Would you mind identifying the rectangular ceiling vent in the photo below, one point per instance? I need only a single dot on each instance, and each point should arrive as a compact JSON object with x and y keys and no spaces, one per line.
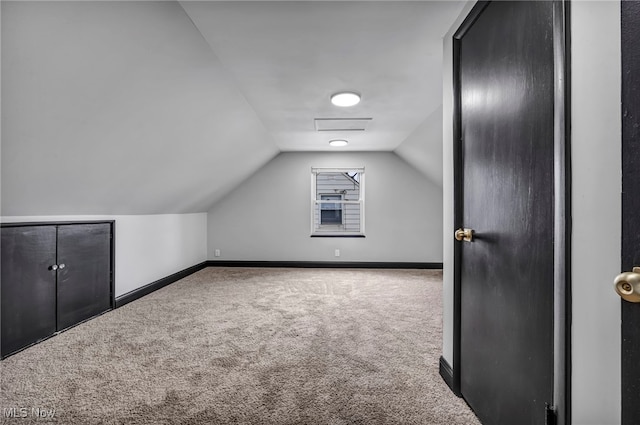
{"x":342,"y":124}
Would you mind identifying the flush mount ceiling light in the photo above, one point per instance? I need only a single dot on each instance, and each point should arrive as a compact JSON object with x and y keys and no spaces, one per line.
{"x":338,"y":143}
{"x":345,"y":98}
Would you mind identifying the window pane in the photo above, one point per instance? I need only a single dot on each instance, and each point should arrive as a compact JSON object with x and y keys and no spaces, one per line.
{"x":328,"y":220}
{"x":340,"y":184}
{"x":330,"y":216}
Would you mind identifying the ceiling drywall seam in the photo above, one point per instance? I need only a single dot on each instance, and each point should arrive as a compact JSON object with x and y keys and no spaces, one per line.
{"x":231,"y":77}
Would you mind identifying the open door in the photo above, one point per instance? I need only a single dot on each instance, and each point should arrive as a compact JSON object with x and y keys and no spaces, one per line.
{"x":509,"y":78}
{"x":630,"y":21}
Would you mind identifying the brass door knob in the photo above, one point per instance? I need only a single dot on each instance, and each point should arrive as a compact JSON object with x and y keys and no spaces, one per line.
{"x":464,"y":235}
{"x":627,"y":285}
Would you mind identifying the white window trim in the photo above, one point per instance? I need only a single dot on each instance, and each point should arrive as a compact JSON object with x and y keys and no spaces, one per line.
{"x":314,"y":201}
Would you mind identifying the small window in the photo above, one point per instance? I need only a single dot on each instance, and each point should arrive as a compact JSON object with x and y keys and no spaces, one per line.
{"x":337,"y":202}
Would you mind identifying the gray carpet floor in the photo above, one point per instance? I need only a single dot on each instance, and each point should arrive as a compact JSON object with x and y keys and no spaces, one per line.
{"x":248,"y":346}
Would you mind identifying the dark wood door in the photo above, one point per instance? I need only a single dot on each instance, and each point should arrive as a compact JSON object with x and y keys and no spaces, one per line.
{"x":630,"y":19}
{"x":84,"y":282}
{"x":28,"y":285}
{"x":506,"y":89}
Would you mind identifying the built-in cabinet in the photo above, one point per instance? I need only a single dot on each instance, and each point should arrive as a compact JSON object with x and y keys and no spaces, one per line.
{"x":54,"y":276}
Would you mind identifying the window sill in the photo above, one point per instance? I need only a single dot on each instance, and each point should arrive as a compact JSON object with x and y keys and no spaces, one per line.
{"x":334,"y":235}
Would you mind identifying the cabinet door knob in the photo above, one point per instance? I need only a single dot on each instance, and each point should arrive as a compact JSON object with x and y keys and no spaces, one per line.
{"x":54,"y":267}
{"x":62,"y":266}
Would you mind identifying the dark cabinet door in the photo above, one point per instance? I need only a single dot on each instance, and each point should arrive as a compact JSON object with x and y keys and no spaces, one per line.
{"x":84,"y":281}
{"x":28,"y":285}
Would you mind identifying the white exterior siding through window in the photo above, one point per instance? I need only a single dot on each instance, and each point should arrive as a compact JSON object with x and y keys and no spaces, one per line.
{"x":337,"y":201}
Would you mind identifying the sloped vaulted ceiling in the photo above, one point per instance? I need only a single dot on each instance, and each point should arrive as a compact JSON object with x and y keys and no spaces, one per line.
{"x":288,"y":57}
{"x":118,"y":108}
{"x":144,"y":107}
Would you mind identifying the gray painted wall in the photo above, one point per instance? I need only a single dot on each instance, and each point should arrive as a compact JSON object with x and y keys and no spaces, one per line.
{"x":595,"y":239}
{"x":423,"y":147}
{"x":268,"y":216}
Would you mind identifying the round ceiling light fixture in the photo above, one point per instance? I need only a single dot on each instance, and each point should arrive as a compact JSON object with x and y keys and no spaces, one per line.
{"x":338,"y":143}
{"x":345,"y":98}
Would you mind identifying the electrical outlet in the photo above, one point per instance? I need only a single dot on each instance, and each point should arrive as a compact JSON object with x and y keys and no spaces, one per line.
{"x":216,"y":253}
{"x":337,"y":253}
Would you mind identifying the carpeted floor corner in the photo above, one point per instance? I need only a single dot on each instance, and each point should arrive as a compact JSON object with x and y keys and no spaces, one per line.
{"x":248,"y":346}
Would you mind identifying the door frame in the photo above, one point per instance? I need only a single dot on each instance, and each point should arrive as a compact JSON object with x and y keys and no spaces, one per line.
{"x":629,"y":312}
{"x":562,"y":208}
